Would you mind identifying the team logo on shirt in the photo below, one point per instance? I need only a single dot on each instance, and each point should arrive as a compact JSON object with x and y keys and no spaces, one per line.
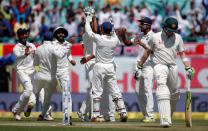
{"x":160,"y":42}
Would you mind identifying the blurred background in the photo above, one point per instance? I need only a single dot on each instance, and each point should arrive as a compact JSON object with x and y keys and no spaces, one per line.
{"x":40,"y":16}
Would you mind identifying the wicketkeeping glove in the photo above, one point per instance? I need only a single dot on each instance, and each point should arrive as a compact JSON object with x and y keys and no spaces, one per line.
{"x":190,"y":71}
{"x":137,"y":72}
{"x":89,"y":11}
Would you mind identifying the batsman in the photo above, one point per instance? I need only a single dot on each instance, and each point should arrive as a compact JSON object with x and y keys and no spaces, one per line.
{"x":165,"y":45}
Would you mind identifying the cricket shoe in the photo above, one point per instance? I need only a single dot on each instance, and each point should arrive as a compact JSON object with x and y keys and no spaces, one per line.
{"x":165,"y":123}
{"x":98,"y":119}
{"x":28,"y":109}
{"x":123,"y":117}
{"x":84,"y":117}
{"x":16,"y":115}
{"x":110,"y":119}
{"x":148,"y":120}
{"x":48,"y":118}
{"x":40,"y":118}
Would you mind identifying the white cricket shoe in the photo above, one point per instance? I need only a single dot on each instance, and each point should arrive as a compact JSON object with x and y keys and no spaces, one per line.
{"x":165,"y":123}
{"x":110,"y":119}
{"x":83,"y":116}
{"x":48,"y":118}
{"x":16,"y":116}
{"x":148,"y":120}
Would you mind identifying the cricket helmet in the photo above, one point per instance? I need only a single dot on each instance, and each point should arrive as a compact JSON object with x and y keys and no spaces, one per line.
{"x":60,"y":29}
{"x":170,"y":24}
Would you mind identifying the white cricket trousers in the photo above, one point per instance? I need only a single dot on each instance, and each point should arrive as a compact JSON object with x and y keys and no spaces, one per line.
{"x":107,"y":105}
{"x":144,"y":87}
{"x":105,"y":74}
{"x":64,"y":79}
{"x":167,"y":91}
{"x":25,"y":77}
{"x":48,"y":84}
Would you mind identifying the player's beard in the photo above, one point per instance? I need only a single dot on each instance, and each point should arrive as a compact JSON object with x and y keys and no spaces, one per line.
{"x":61,"y":39}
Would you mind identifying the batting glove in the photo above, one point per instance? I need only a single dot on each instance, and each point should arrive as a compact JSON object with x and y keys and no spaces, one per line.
{"x":190,"y":71}
{"x":138,"y":72}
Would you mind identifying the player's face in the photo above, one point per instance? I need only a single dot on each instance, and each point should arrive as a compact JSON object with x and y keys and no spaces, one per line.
{"x":168,"y":33}
{"x":60,"y":35}
{"x":143,"y":27}
{"x":23,"y":37}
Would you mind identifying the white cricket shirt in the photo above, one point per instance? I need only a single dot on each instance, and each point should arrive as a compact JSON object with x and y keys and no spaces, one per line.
{"x":165,"y":48}
{"x":23,"y":62}
{"x":89,"y":46}
{"x":105,"y":45}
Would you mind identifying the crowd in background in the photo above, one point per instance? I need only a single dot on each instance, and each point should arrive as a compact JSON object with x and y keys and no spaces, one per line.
{"x":39,"y":17}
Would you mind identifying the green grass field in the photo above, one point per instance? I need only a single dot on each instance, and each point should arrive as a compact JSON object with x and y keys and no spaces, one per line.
{"x":30,"y":124}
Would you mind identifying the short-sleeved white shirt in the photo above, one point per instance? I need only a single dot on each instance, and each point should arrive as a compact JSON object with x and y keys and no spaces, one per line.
{"x":105,"y":45}
{"x":144,"y":39}
{"x":165,"y":48}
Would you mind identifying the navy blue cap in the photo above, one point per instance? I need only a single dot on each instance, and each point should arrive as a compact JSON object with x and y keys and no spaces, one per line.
{"x":48,"y":36}
{"x":107,"y":27}
{"x":146,"y":20}
{"x":21,"y":31}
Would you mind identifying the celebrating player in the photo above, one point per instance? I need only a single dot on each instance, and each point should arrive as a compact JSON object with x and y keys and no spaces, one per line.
{"x":63,"y":66}
{"x":144,"y":83}
{"x":89,"y":61}
{"x":45,"y":79}
{"x":104,"y":69}
{"x":165,"y":45}
{"x":23,"y":52}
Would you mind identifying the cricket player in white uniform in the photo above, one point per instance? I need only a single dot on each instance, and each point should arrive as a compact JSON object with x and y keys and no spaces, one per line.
{"x":89,"y":61}
{"x":24,"y":60}
{"x":45,"y":81}
{"x":63,"y":73}
{"x":165,"y":45}
{"x":144,"y":83}
{"x":104,"y":69}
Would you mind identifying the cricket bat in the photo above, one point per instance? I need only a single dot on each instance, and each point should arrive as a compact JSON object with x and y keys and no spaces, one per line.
{"x":188,"y":104}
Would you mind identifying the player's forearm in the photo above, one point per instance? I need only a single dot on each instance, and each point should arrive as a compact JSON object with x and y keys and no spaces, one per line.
{"x":144,"y":57}
{"x":94,"y":24}
{"x":90,"y":57}
{"x":19,"y":54}
{"x":88,"y":29}
{"x":184,"y":59}
{"x":142,"y":44}
{"x":125,"y":40}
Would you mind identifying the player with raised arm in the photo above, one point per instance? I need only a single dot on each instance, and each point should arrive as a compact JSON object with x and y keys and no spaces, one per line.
{"x":24,"y":60}
{"x":104,"y":69}
{"x":89,"y":61}
{"x":165,"y":45}
{"x":144,"y":83}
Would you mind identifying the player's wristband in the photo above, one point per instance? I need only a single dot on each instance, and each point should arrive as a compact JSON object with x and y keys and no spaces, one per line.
{"x":187,"y":67}
{"x":139,"y":67}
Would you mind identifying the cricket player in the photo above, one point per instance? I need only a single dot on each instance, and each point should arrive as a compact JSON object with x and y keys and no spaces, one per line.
{"x":45,"y":81}
{"x":24,"y":60}
{"x":144,"y":83}
{"x":63,"y":73}
{"x":165,"y":45}
{"x":89,"y":61}
{"x":104,"y":69}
